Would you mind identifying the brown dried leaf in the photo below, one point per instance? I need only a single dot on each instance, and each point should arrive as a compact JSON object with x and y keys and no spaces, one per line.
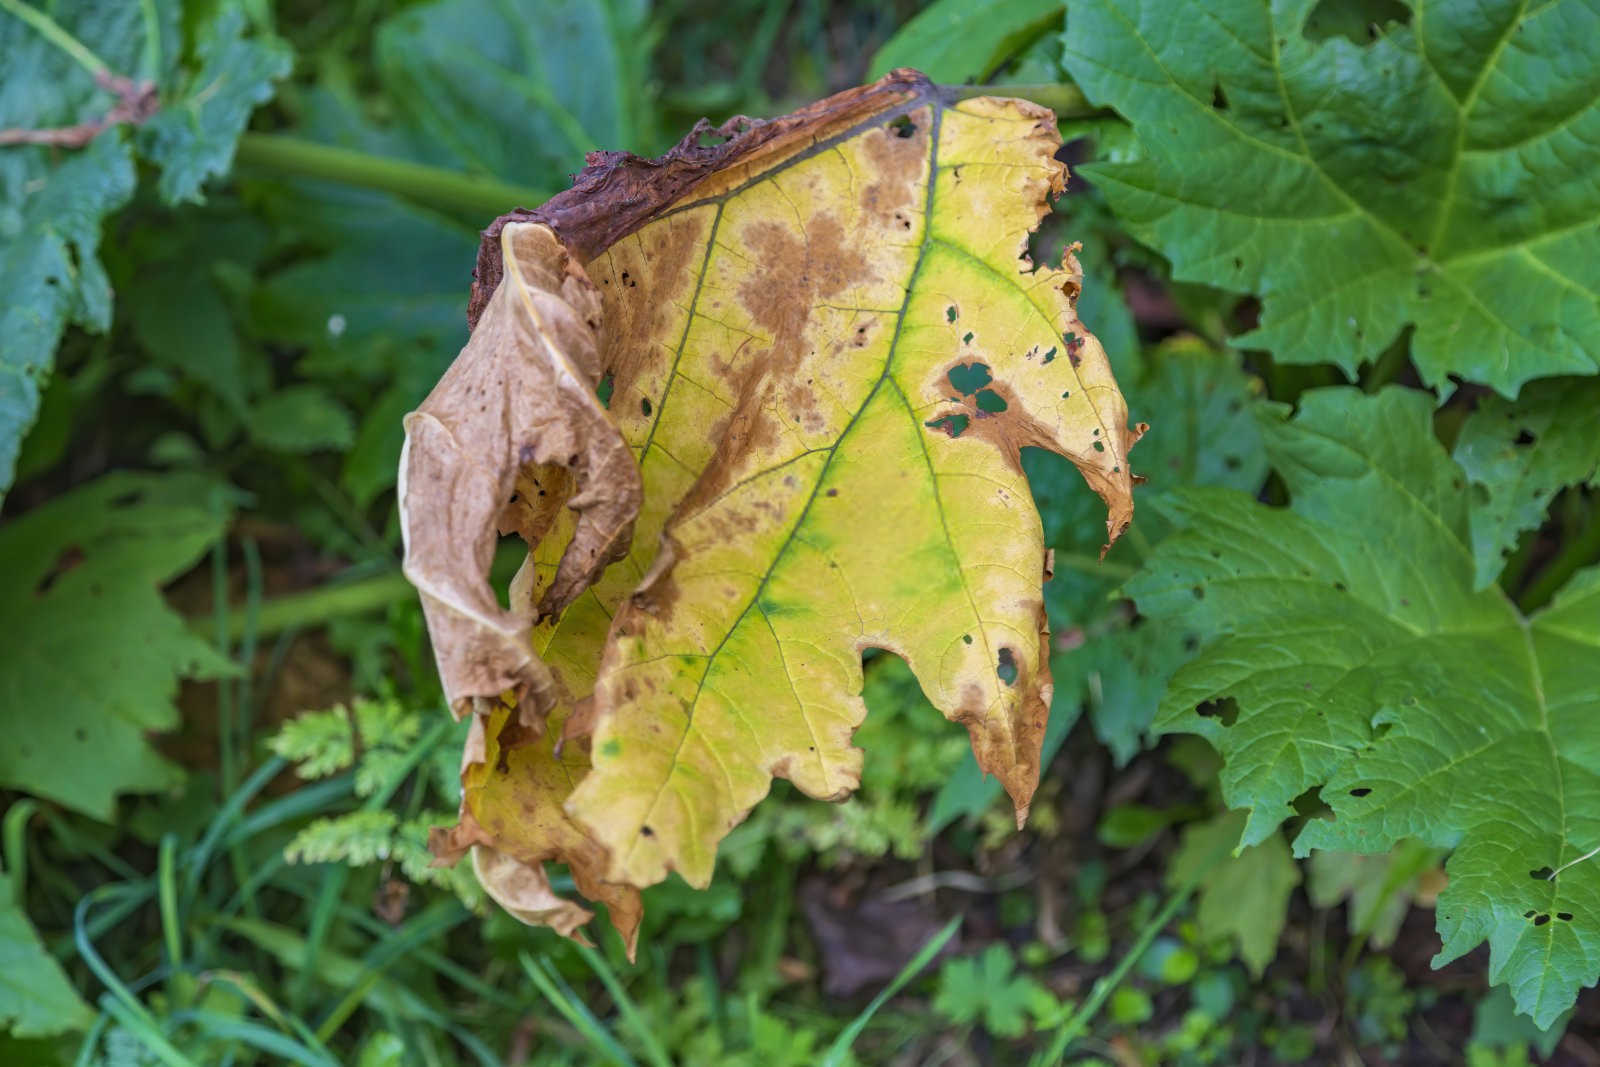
{"x":508,"y":434}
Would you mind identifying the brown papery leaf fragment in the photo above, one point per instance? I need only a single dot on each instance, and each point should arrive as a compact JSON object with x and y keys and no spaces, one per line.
{"x":509,"y":432}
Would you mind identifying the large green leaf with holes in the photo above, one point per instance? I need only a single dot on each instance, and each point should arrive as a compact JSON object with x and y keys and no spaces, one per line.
{"x":54,"y":197}
{"x":1520,"y":454}
{"x":1440,"y":171}
{"x":1351,"y":653}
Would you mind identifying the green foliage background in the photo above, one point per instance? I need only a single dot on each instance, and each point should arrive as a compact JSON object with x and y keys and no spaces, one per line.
{"x":1342,"y":256}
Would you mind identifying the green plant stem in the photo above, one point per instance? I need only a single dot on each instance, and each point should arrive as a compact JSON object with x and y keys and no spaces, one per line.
{"x":313,"y":607}
{"x":1080,"y":1020}
{"x":1582,"y":549}
{"x":435,"y":187}
{"x":1065,"y":99}
{"x":52,"y":31}
{"x":1087,"y":564}
{"x":840,"y":1048}
{"x":167,"y":898}
{"x":316,"y":606}
{"x":15,"y":836}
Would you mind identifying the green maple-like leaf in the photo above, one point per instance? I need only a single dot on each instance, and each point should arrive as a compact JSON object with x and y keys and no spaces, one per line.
{"x":53,"y":199}
{"x":1353,"y":654}
{"x":987,"y":988}
{"x":36,"y":999}
{"x":94,"y":654}
{"x":1522,"y":453}
{"x":1442,"y":175}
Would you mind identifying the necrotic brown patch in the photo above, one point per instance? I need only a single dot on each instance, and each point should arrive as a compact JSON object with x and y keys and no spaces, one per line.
{"x":896,"y":153}
{"x":661,"y":274}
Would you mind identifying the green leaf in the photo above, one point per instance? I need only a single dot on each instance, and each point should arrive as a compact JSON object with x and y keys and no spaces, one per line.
{"x":1353,"y":654}
{"x":987,"y":988}
{"x":301,"y":418}
{"x":1381,"y":889}
{"x":193,"y":138}
{"x":49,"y":269}
{"x":36,"y":999}
{"x":1203,"y":432}
{"x":953,"y":41}
{"x":1522,"y":453}
{"x":54,"y":199}
{"x":355,"y":838}
{"x":516,"y":91}
{"x":323,"y":742}
{"x":1496,"y":1024}
{"x":1440,"y":176}
{"x":1244,"y":897}
{"x":93,"y":653}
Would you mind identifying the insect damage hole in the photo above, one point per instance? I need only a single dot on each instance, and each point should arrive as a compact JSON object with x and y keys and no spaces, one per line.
{"x":1006,"y":667}
{"x":903,"y":127}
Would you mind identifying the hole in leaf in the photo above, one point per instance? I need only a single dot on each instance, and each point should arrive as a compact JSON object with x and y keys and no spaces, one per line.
{"x":991,"y":402}
{"x":903,"y":126}
{"x":646,"y":831}
{"x":644,"y":405}
{"x":954,"y":425}
{"x":1006,"y":669}
{"x":967,"y":638}
{"x":1541,"y":920}
{"x":1361,"y":22}
{"x":1524,"y":438}
{"x":1361,"y":792}
{"x":1219,"y":99}
{"x":1099,"y":446}
{"x":1051,"y":355}
{"x":967,"y":340}
{"x":1543,"y":874}
{"x":603,"y":390}
{"x":1225,"y":711}
{"x":968,"y":378}
{"x":950,"y":313}
{"x":69,"y":558}
{"x":1564,"y":916}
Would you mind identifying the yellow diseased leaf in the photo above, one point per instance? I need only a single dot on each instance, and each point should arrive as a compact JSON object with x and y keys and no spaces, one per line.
{"x":840,"y":409}
{"x":513,"y":823}
{"x":826,"y":348}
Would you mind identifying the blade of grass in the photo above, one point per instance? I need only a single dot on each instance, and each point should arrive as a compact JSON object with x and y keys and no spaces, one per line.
{"x":434,"y":920}
{"x":144,"y":1030}
{"x":197,"y":861}
{"x":167,"y":898}
{"x":631,"y":1016}
{"x":574,"y":1012}
{"x":257,"y":1036}
{"x":847,"y":1037}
